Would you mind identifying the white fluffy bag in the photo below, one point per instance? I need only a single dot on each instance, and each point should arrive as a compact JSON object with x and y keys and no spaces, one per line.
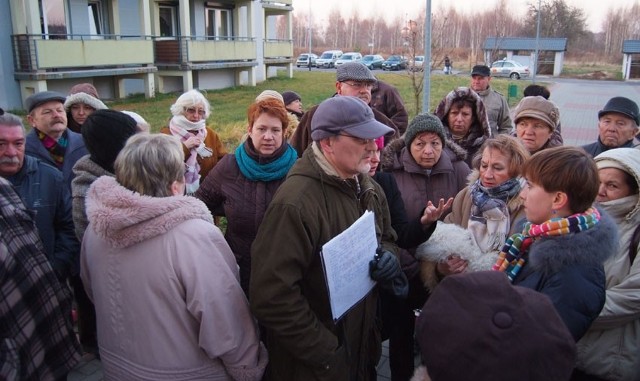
{"x":451,"y":239}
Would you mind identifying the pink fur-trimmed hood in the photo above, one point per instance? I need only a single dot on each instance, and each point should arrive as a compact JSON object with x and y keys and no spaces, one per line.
{"x":124,"y":218}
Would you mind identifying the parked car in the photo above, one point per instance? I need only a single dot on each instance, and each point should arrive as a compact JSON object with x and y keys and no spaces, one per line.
{"x":329,"y":58}
{"x":417,"y":63}
{"x":395,"y":62}
{"x":348,"y":57}
{"x":373,"y":61}
{"x":306,"y":59}
{"x":511,"y":69}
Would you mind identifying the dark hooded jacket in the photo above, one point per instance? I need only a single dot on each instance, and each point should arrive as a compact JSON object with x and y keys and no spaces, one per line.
{"x":288,"y":291}
{"x":479,"y":131}
{"x":569,"y":270}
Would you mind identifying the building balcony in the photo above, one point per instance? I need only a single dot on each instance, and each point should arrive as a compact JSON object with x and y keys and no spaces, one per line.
{"x":278,"y":51}
{"x":205,"y":52}
{"x":60,"y":56}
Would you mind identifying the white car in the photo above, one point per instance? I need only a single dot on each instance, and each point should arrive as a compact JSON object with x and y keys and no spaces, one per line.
{"x":348,"y":57}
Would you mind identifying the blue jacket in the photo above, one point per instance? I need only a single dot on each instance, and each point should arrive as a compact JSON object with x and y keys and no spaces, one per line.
{"x":43,"y":191}
{"x":75,"y":150}
{"x":569,"y":270}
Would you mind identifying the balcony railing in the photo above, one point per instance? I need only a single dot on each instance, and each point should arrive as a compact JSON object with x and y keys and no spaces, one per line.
{"x":199,"y":49}
{"x":278,"y":48}
{"x":46,"y":52}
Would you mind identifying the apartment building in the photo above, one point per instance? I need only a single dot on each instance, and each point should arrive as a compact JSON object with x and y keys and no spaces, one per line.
{"x":140,"y":46}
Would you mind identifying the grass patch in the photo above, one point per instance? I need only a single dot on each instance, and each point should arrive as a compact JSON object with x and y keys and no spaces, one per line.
{"x":229,"y":106}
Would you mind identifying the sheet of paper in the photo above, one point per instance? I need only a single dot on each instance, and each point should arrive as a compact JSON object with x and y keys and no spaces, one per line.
{"x":346,"y":264}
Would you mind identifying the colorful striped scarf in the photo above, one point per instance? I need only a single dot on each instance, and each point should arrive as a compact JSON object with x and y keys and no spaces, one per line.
{"x":513,"y":255}
{"x":56,"y":148}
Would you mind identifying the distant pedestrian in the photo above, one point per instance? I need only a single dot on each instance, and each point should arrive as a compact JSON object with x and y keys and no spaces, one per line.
{"x":447,"y":65}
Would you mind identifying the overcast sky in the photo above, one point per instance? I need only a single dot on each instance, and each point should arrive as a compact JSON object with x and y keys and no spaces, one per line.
{"x":595,"y":10}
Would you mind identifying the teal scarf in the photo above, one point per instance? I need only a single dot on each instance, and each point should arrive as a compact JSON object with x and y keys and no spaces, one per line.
{"x":274,"y":170}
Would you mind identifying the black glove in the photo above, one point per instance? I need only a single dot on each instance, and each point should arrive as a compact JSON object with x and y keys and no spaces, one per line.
{"x":384,"y":267}
{"x":386,"y":270}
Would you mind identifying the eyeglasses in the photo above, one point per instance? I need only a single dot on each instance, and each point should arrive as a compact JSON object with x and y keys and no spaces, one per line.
{"x":193,"y":111}
{"x":357,"y":139}
{"x":360,"y":85}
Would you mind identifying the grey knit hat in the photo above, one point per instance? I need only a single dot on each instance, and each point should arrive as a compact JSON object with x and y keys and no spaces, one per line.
{"x":424,"y":123}
{"x":354,"y":71}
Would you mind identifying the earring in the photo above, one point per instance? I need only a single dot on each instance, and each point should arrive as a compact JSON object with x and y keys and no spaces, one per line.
{"x":553,"y":211}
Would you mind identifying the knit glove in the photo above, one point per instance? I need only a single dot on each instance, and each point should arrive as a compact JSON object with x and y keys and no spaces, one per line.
{"x":385,"y":269}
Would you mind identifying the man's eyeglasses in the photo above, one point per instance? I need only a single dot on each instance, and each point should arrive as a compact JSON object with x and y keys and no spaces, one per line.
{"x":360,"y":85}
{"x":357,"y":139}
{"x":193,"y":111}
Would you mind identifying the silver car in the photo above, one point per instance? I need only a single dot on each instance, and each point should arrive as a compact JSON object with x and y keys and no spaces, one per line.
{"x":306,"y":59}
{"x":511,"y":69}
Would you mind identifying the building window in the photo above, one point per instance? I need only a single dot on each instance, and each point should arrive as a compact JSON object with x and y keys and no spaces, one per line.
{"x":52,"y":18}
{"x":219,"y":23}
{"x":168,"y":21}
{"x":95,"y":19}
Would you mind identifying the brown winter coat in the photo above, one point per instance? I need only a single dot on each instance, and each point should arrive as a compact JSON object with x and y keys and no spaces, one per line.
{"x":446,"y":179}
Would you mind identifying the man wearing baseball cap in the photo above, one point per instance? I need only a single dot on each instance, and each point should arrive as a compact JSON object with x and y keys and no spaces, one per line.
{"x":352,"y":79}
{"x":494,"y":102}
{"x":325,"y":192}
{"x":617,"y":126}
{"x":50,"y":140}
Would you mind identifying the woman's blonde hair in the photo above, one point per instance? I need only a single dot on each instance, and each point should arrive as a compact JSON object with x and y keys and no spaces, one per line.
{"x":509,"y":146}
{"x":191,"y":98}
{"x":149,"y":164}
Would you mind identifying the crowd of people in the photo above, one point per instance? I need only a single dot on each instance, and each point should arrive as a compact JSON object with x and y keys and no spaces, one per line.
{"x":500,"y":252}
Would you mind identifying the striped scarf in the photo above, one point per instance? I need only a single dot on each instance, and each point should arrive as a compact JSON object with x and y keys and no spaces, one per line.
{"x":56,"y":148}
{"x":513,"y":255}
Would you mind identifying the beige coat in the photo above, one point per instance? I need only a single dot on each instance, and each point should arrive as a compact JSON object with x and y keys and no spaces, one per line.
{"x":611,"y":347}
{"x":460,"y":213}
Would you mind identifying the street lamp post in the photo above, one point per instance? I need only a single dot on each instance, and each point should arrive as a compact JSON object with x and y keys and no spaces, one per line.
{"x":426,"y":83}
{"x":535,"y":61}
{"x":310,"y":38}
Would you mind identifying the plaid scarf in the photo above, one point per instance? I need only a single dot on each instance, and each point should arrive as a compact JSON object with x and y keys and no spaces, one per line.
{"x":513,"y":255}
{"x":57,"y":148}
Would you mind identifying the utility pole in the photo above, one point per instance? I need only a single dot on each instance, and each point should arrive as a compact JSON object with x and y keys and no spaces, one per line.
{"x":535,"y":61}
{"x":426,"y":83}
{"x":310,"y":36}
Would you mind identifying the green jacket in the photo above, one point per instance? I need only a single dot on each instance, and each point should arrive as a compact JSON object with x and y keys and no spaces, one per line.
{"x":288,"y":293}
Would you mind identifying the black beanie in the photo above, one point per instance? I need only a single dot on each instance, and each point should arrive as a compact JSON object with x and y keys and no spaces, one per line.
{"x":290,"y":96}
{"x":105,"y":133}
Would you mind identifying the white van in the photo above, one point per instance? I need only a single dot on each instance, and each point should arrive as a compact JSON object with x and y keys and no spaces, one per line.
{"x":329,"y":58}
